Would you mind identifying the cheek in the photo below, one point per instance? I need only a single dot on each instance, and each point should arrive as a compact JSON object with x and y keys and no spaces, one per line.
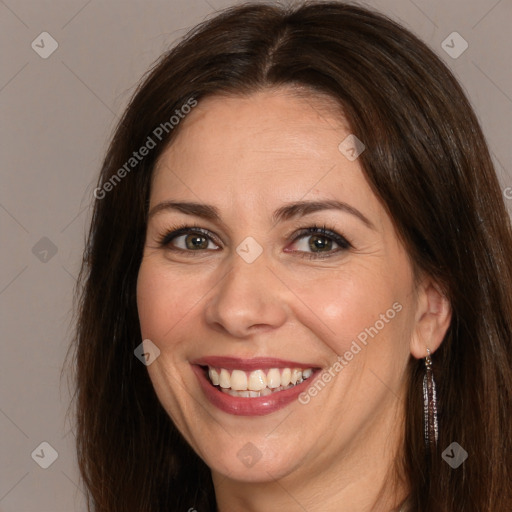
{"x":345,"y":303}
{"x":161,"y":302}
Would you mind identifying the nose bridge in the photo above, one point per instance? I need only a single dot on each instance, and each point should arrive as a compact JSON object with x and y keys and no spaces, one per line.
{"x":249,"y":295}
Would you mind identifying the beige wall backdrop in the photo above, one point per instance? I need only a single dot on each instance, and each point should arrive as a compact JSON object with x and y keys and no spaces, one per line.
{"x":68,"y":69}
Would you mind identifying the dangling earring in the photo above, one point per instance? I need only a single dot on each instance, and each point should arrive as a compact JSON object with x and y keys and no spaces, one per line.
{"x":430,"y":404}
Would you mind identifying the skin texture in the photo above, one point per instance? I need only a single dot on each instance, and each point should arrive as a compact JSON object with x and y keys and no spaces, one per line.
{"x":248,"y":157}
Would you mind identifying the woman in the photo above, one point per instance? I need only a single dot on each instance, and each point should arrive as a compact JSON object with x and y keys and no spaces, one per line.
{"x":299,"y":231}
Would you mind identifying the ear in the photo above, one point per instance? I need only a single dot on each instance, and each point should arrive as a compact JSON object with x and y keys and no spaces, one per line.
{"x":433,"y":317}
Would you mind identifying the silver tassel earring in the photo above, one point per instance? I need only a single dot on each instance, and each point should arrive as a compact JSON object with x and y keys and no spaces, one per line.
{"x":430,"y":404}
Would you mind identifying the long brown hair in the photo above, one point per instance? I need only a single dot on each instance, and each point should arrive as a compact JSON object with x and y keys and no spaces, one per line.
{"x":426,"y":160}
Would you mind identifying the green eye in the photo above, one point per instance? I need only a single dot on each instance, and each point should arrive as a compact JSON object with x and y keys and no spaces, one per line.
{"x":194,"y":241}
{"x":319,"y":243}
{"x":193,"y":238}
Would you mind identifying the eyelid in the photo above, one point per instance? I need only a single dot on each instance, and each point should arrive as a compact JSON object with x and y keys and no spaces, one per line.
{"x":186,"y":229}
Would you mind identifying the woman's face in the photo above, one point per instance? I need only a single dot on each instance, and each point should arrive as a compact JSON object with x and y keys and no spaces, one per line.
{"x":254,"y":298}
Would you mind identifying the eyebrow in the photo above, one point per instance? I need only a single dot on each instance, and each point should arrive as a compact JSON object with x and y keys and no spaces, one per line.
{"x":289,"y":211}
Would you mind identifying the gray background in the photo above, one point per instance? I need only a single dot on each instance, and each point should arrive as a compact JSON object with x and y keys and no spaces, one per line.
{"x":57,"y":115}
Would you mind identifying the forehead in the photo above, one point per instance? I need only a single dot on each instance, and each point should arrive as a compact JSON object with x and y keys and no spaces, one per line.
{"x":223,"y":121}
{"x":268,"y":145}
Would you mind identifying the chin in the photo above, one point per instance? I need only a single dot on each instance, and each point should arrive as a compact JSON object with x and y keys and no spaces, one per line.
{"x":250,"y":464}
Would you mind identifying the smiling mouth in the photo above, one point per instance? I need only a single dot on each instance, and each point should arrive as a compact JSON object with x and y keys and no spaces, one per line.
{"x":256,"y":383}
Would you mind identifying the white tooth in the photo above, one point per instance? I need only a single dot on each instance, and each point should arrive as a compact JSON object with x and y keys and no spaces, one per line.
{"x":273,"y":378}
{"x":307,"y":373}
{"x":286,"y":377}
{"x":238,"y":380}
{"x":265,"y":392}
{"x":257,"y":380}
{"x":296,"y":375}
{"x":244,"y":394}
{"x":254,"y":394}
{"x":224,"y":379}
{"x":214,"y":376}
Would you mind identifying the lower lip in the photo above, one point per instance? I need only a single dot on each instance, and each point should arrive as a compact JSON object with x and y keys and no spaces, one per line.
{"x":257,"y":406}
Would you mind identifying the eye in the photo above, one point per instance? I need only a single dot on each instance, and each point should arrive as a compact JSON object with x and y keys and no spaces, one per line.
{"x":316,"y":242}
{"x":311,"y":242}
{"x":187,"y":238}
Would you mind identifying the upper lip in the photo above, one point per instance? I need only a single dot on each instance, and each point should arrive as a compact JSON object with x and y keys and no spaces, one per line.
{"x":236,"y":363}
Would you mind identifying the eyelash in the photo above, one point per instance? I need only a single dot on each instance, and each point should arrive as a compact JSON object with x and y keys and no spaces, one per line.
{"x":186,"y":229}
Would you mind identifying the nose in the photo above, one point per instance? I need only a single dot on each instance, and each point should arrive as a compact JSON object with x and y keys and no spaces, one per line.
{"x":249,"y":299}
